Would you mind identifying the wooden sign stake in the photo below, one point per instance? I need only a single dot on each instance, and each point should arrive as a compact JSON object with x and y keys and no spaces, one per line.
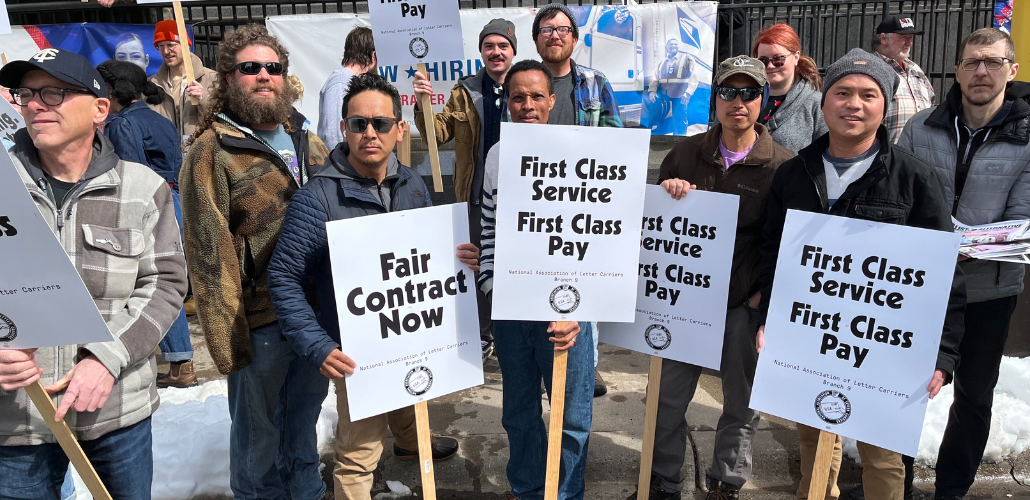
{"x":654,"y":384}
{"x":187,"y":60}
{"x":554,"y":430}
{"x":821,"y":466}
{"x":425,"y":451}
{"x":41,"y":400}
{"x":3,"y":58}
{"x":404,"y":147}
{"x":434,"y":152}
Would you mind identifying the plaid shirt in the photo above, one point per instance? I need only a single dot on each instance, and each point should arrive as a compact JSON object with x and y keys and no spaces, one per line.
{"x":595,"y":99}
{"x":915,"y":93}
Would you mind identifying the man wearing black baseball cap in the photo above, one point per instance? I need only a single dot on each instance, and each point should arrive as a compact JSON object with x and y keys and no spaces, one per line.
{"x":116,"y":221}
{"x":893,"y":43}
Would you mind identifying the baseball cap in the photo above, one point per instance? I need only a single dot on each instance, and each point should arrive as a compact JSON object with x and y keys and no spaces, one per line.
{"x":898,"y":24}
{"x":741,"y":65}
{"x":66,"y":66}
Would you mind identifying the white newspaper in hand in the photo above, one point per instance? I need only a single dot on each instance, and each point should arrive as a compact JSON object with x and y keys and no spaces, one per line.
{"x":997,"y":241}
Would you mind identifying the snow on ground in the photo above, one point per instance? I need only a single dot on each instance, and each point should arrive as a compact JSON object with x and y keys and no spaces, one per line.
{"x":397,"y":490}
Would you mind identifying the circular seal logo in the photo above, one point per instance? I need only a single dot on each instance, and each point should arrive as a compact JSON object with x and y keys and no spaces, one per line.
{"x":658,"y":337}
{"x":8,"y":330}
{"x":418,"y":381}
{"x":564,"y":299}
{"x":418,"y":47}
{"x":833,"y":407}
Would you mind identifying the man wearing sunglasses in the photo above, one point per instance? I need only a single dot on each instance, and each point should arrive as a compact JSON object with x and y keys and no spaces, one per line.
{"x":737,"y":156}
{"x":472,"y":117}
{"x":361,"y":177}
{"x":979,"y":142}
{"x":176,"y":92}
{"x":116,"y":221}
{"x":251,"y":152}
{"x":893,"y":43}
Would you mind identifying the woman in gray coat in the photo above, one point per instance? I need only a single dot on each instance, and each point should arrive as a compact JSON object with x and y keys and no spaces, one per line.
{"x":792,"y":113}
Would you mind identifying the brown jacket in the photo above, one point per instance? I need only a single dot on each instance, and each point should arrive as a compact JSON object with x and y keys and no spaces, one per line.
{"x":697,"y":160}
{"x":460,"y":120}
{"x":187,"y":117}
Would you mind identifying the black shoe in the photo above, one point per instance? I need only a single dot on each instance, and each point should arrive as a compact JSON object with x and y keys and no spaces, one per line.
{"x":718,"y":490}
{"x":656,"y":492}
{"x":856,"y":493}
{"x":443,"y":448}
{"x":600,"y":388}
{"x":488,"y":348}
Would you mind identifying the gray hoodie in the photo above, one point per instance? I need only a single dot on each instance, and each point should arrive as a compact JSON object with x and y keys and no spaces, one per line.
{"x":799,"y":121}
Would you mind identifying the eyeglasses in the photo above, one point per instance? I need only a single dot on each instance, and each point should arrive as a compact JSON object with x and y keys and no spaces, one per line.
{"x":498,"y":91}
{"x":51,"y":96}
{"x":747,"y":94}
{"x":776,"y":61}
{"x":253,"y":68}
{"x":359,"y":124}
{"x":991,"y":63}
{"x":166,"y":46}
{"x":563,"y":31}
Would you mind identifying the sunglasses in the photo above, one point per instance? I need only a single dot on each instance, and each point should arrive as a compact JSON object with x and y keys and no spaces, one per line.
{"x":359,"y":124}
{"x":776,"y":61}
{"x":254,"y":67}
{"x":747,"y":94}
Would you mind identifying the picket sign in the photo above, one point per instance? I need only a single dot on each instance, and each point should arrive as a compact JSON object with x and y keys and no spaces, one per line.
{"x":654,"y":384}
{"x":821,"y":465}
{"x":554,"y":428}
{"x":187,"y":62}
{"x":434,"y":150}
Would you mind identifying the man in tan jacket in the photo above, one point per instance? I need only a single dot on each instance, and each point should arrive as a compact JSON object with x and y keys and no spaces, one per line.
{"x":171,"y":79}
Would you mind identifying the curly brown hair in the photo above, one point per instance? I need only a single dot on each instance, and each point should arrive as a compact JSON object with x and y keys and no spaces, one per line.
{"x":233,"y":42}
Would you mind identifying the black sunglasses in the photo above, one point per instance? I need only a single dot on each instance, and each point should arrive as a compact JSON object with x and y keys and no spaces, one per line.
{"x":359,"y":124}
{"x":776,"y":61}
{"x":747,"y":94}
{"x":51,"y":96}
{"x":254,"y":67}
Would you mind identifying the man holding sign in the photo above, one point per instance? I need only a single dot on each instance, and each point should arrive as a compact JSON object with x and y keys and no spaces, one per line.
{"x":176,"y":92}
{"x":855,"y":171}
{"x":362,"y":177}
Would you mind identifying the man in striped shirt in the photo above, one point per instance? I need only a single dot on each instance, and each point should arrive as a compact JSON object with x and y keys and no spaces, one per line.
{"x":893,"y":43}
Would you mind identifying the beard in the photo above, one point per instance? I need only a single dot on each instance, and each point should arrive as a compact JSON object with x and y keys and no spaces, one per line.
{"x":566,"y":51}
{"x":253,"y":110}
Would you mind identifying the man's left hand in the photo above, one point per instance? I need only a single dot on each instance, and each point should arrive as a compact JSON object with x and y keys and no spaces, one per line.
{"x":468,"y":254}
{"x":88,"y":386}
{"x":936,"y":383}
{"x":195,"y":89}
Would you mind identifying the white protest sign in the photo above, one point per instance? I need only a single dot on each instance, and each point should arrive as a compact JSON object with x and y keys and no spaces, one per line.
{"x":854,"y":324}
{"x":416,"y":31}
{"x":5,"y":21}
{"x":568,"y":233}
{"x":36,"y":276}
{"x":10,"y":120}
{"x":686,"y":252}
{"x":407,"y":307}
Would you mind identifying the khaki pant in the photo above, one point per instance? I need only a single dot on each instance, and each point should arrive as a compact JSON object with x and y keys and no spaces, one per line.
{"x":883,"y":474}
{"x":359,"y":445}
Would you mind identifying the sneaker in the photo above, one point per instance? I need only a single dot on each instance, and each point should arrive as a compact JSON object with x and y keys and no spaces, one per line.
{"x":179,"y":375}
{"x":443,"y":448}
{"x":655,"y":492}
{"x":718,"y":490}
{"x":488,"y":348}
{"x":600,"y":388}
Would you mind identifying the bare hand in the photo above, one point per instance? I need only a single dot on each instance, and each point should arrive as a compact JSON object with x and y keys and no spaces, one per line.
{"x":106,"y":3}
{"x":677,"y":188}
{"x":88,"y":385}
{"x":422,"y":86}
{"x":18,"y":368}
{"x":195,"y":89}
{"x":565,"y":334}
{"x":468,"y":254}
{"x":760,"y":341}
{"x":337,"y":365}
{"x":962,"y":258}
{"x":936,"y":383}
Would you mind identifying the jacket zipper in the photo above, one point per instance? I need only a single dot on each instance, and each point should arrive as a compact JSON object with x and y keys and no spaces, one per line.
{"x":379,"y":188}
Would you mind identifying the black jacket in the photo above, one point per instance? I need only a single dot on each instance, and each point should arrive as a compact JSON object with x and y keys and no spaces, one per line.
{"x":898,"y":188}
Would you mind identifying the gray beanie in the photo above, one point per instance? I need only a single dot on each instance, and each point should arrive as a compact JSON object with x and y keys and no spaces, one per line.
{"x":549,"y":7}
{"x":502,"y":27}
{"x":861,"y":62}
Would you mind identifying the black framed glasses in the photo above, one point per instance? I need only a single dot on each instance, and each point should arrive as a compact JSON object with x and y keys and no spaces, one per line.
{"x":563,"y":31}
{"x":747,"y":94}
{"x":254,"y":67}
{"x":359,"y":124}
{"x":776,"y":61}
{"x":51,"y":96}
{"x":992,"y":63}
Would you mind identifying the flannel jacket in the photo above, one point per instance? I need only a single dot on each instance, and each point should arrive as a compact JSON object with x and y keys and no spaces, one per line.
{"x":915,"y":93}
{"x":595,"y":99}
{"x":119,"y":230}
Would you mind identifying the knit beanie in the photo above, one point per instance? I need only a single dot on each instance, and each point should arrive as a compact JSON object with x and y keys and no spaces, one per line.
{"x":549,"y":7}
{"x":501,"y":27}
{"x":167,"y":31}
{"x":861,"y":62}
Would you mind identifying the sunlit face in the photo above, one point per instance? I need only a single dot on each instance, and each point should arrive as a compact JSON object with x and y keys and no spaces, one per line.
{"x":738,"y":114}
{"x":981,"y":86}
{"x":370,"y":148}
{"x":497,"y":54}
{"x":261,"y":86}
{"x":54,"y":127}
{"x":854,"y":107}
{"x":529,"y":100}
{"x":171,"y":52}
{"x":897,"y":46}
{"x":554,"y":48}
{"x":132,"y":51}
{"x":671,"y":49}
{"x":782,"y":75}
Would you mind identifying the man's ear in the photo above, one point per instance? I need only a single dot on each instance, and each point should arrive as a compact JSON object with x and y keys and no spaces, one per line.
{"x":402,"y":130}
{"x":103,"y":108}
{"x":228,"y":77}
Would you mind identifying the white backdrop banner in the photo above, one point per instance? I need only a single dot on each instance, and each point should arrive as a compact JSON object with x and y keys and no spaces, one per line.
{"x":854,"y":324}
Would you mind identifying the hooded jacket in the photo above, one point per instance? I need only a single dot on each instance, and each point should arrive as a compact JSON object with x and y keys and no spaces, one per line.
{"x":799,"y":121}
{"x":119,"y":230}
{"x":187,"y":117}
{"x":337,"y":192}
{"x":141,"y":135}
{"x":997,"y":186}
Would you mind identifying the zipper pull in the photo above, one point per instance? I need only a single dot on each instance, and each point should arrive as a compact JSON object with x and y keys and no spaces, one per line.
{"x":60,"y":219}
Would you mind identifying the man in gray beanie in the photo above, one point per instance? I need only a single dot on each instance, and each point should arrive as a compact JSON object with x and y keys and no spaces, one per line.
{"x":856,"y":171}
{"x":472,"y":116}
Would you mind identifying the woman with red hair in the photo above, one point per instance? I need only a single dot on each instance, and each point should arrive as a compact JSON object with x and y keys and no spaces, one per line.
{"x":793,"y":113}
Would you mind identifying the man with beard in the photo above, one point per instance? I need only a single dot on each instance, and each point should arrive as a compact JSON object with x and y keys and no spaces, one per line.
{"x":893,"y":43}
{"x":251,"y":153}
{"x":176,"y":92}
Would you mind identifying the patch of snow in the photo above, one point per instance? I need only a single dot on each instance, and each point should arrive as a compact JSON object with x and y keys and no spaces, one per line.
{"x":397,"y":490}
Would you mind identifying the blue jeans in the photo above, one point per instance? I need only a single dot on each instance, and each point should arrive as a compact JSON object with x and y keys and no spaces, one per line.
{"x":176,"y":346}
{"x":123,"y":459}
{"x":274,"y":404}
{"x":526,"y":356}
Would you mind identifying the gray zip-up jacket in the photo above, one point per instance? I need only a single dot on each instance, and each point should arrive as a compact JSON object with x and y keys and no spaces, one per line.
{"x":118,"y":228}
{"x":997,"y":187}
{"x":799,"y":121}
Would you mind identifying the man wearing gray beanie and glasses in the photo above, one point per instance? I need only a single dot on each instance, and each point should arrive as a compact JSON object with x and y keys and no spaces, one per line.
{"x":855,"y":171}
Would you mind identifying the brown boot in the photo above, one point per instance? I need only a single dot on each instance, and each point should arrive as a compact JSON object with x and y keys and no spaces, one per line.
{"x":179,"y":375}
{"x":191,"y":307}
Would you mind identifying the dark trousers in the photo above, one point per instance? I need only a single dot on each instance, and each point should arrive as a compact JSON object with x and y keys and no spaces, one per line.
{"x":969,"y":422}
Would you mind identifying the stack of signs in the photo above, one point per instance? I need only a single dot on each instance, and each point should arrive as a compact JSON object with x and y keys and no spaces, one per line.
{"x":569,"y":202}
{"x":407,"y":307}
{"x":686,"y":253}
{"x":854,"y":324}
{"x":416,"y":31}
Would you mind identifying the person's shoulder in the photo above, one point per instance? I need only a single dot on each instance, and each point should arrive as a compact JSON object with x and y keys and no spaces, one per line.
{"x":139,"y":177}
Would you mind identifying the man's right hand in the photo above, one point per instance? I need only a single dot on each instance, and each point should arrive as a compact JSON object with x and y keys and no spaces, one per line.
{"x":337,"y":365}
{"x":677,"y":188}
{"x":18,"y":368}
{"x":760,"y":341}
{"x":422,"y":87}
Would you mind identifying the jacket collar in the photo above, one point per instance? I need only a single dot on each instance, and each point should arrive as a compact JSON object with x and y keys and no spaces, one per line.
{"x":229,"y":125}
{"x":136,"y":106}
{"x":161,"y":76}
{"x":812,"y":158}
{"x":354,"y":185}
{"x":761,"y":153}
{"x":1012,"y":121}
{"x":103,"y":160}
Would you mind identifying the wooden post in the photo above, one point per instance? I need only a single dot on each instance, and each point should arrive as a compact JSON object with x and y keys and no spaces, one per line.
{"x":404,"y":147}
{"x":554,"y":431}
{"x":41,"y":400}
{"x":425,"y":451}
{"x":3,"y":59}
{"x":184,"y":43}
{"x":434,"y":152}
{"x":654,"y":383}
{"x":821,"y":466}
